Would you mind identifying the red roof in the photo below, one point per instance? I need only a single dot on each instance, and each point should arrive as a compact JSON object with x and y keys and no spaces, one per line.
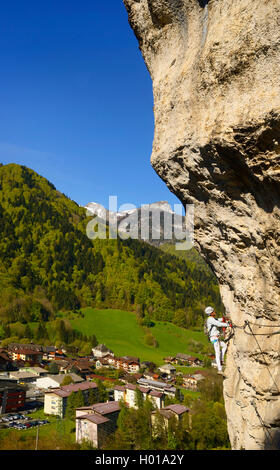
{"x":178,"y":409}
{"x":121,"y":388}
{"x":101,"y":377}
{"x":66,"y":390}
{"x":96,"y":419}
{"x":154,"y":393}
{"x":79,"y":386}
{"x":144,"y":389}
{"x":131,"y":387}
{"x":106,"y":408}
{"x":28,"y":351}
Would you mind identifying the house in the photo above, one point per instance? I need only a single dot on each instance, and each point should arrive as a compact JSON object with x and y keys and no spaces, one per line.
{"x":191,"y":381}
{"x":158,"y":386}
{"x":119,"y":393}
{"x":31,"y":346}
{"x":127,"y":393}
{"x":23,"y":377}
{"x":101,"y":350}
{"x":168,"y":370}
{"x":150,"y":375}
{"x":55,"y":401}
{"x":54,"y":355}
{"x":130,"y":395}
{"x":109,"y":358}
{"x":164,"y":416}
{"x":129,"y":378}
{"x":100,"y":363}
{"x":83,"y":366}
{"x":157,"y":398}
{"x":48,"y":352}
{"x":129,"y":364}
{"x":54,"y":381}
{"x":169,"y":359}
{"x":64,"y":365}
{"x":38,"y":371}
{"x":189,"y":360}
{"x":12,"y":397}
{"x":95,"y":423}
{"x":26,"y":354}
{"x":5,"y":361}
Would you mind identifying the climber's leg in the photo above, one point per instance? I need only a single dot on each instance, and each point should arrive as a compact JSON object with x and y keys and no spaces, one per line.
{"x":223,"y":350}
{"x":216,"y":345}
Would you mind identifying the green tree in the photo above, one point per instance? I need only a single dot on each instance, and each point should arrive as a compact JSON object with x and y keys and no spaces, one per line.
{"x":92,"y":398}
{"x":79,"y":399}
{"x":67,"y":380}
{"x":139,"y":399}
{"x":41,"y":332}
{"x":53,"y":368}
{"x":93,"y":341}
{"x":75,"y":400}
{"x":102,"y":391}
{"x":71,"y":406}
{"x":211,"y":388}
{"x":209,"y":426}
{"x":28,"y":332}
{"x":62,"y":332}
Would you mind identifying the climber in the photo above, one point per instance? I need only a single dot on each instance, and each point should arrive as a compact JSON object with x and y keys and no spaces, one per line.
{"x":212,"y":325}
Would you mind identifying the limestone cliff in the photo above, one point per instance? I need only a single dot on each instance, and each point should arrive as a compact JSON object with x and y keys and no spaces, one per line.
{"x":215,"y":67}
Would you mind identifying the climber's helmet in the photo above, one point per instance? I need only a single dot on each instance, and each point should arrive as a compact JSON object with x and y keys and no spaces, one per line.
{"x":209,"y":310}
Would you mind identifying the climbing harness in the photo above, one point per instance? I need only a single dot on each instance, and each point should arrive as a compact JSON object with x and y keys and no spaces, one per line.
{"x":226,"y":337}
{"x":228,"y":331}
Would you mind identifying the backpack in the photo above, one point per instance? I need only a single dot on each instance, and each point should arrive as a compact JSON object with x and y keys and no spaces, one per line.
{"x":205,"y":329}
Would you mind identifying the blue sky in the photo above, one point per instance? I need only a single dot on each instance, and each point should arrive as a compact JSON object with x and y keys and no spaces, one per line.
{"x":76,"y":100}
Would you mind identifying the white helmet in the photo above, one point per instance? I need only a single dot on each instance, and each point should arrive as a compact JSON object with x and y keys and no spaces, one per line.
{"x":209,"y":310}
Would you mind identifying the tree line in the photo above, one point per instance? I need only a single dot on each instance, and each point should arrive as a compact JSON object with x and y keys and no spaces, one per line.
{"x":48,"y":264}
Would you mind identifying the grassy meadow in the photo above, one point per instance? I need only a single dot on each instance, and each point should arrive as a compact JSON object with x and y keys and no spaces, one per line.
{"x":119,"y":331}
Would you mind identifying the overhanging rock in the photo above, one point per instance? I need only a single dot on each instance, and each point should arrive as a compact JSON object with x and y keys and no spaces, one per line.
{"x":215,"y":67}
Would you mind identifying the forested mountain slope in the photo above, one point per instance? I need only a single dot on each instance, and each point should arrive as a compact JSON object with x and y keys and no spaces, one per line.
{"x":47,"y":262}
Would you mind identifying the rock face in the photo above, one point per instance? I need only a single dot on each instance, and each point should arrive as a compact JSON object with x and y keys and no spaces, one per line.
{"x":215,"y":67}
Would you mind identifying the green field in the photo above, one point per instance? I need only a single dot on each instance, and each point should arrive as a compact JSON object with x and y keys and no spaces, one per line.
{"x":50,"y":436}
{"x":119,"y":331}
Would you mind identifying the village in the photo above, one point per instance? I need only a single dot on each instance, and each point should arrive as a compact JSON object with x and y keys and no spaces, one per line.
{"x":36,"y":376}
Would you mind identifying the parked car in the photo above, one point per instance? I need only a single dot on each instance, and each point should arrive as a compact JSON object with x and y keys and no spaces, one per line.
{"x":7,"y":419}
{"x":17,"y":426}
